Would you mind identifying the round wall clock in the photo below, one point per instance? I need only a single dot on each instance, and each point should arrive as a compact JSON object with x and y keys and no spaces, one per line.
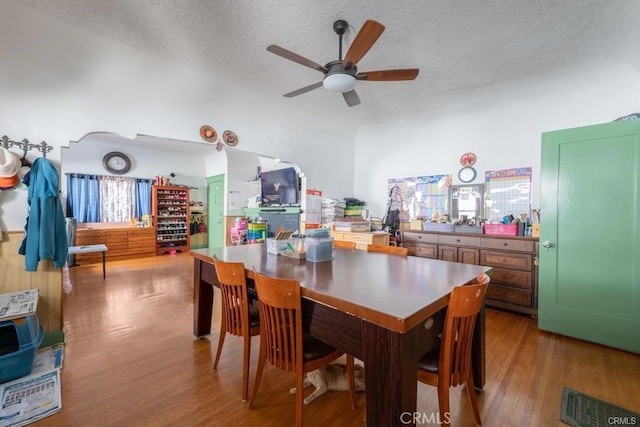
{"x":467,"y":174}
{"x":116,"y":162}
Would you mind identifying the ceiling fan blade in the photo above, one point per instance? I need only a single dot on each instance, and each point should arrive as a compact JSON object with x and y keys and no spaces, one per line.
{"x":303,"y":90}
{"x":287,"y":54}
{"x":365,"y":38}
{"x":351,"y":98}
{"x":389,"y":75}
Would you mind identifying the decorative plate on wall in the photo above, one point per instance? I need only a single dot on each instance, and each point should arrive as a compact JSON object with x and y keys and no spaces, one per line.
{"x":230,"y":138}
{"x":208,"y":133}
{"x":468,"y":159}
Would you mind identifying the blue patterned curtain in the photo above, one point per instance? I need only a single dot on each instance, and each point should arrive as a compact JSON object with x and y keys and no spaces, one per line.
{"x":83,"y":197}
{"x":143,"y":198}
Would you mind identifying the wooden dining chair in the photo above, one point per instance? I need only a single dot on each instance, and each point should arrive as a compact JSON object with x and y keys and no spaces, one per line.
{"x":387,"y":249}
{"x":239,"y":317}
{"x":449,"y":364}
{"x":341,"y":244}
{"x":282,"y":341}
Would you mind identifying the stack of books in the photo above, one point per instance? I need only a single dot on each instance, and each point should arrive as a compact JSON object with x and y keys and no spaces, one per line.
{"x":328,"y":211}
{"x":353,"y":208}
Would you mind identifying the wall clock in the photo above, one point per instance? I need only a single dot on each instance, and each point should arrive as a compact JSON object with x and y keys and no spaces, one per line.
{"x":116,"y":162}
{"x":467,"y":174}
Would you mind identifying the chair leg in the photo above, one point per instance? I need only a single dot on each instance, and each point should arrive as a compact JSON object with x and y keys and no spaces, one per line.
{"x":299,"y":397}
{"x":352,"y":380}
{"x":223,"y":333}
{"x":261,"y":360}
{"x":471,"y":391}
{"x":245,"y":368}
{"x":443,"y":404}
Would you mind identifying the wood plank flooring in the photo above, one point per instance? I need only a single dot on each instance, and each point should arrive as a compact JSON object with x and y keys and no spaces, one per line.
{"x":131,"y":360}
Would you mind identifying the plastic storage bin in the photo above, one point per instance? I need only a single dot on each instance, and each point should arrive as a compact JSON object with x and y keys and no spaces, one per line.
{"x":318,"y":248}
{"x":501,"y":229}
{"x":19,"y":340}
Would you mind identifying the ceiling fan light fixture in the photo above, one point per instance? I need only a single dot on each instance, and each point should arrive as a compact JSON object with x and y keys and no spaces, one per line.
{"x":339,"y":82}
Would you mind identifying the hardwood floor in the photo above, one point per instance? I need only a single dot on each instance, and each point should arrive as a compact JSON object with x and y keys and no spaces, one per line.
{"x":131,"y":360}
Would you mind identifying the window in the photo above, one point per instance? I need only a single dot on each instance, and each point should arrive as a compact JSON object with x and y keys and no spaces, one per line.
{"x":95,"y":198}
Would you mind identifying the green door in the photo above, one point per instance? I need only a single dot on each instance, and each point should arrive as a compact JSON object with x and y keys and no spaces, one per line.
{"x":589,"y":284}
{"x":215,"y":210}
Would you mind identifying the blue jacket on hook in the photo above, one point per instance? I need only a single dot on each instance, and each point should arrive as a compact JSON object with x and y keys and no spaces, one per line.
{"x":46,"y":234}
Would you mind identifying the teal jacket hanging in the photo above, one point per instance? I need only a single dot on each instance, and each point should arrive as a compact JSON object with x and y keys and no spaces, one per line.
{"x":46,"y":235}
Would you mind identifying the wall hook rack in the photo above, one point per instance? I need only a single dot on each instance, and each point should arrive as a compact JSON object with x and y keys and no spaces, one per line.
{"x":25,"y":146}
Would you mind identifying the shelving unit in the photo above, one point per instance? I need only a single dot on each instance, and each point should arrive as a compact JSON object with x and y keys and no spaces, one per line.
{"x":170,"y":206}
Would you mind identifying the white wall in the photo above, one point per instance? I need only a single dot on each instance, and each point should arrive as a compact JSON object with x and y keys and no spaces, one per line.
{"x":502,"y":125}
{"x":59,"y":83}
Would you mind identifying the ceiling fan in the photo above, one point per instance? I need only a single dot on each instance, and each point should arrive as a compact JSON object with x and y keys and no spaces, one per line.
{"x":342,"y":75}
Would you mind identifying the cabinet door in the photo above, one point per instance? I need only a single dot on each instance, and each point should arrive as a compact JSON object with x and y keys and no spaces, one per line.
{"x":589,"y":286}
{"x":469,"y":256}
{"x":448,"y":253}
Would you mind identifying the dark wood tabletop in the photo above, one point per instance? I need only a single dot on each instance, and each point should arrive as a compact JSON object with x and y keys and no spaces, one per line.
{"x":394,"y":292}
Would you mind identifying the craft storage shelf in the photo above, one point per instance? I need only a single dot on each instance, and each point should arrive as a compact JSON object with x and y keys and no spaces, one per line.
{"x":170,"y":205}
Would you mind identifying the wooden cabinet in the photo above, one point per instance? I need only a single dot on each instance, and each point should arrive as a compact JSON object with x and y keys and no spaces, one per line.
{"x":420,"y":243}
{"x":362,"y":239}
{"x":122,"y":243}
{"x":514,"y":284}
{"x":170,"y":207}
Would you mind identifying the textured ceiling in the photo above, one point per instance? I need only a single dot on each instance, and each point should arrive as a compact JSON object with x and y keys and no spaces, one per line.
{"x":458,"y":45}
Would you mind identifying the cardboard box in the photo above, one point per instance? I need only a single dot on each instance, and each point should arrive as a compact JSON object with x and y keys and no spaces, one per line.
{"x":535,"y":230}
{"x":416,"y":224}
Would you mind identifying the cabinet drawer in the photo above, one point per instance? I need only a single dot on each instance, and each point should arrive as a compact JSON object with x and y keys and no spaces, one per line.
{"x":507,"y":259}
{"x":459,"y":240}
{"x":363,"y":238}
{"x":408,"y":236}
{"x":337,"y":236}
{"x":510,"y":244}
{"x":90,"y":237}
{"x":426,"y":251}
{"x":508,"y":294}
{"x":117,"y":241}
{"x":517,"y":278}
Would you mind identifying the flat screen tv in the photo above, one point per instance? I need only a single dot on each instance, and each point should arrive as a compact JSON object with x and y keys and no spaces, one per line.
{"x":280,"y":187}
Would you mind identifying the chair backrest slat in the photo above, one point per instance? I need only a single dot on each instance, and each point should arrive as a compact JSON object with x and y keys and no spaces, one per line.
{"x":280,"y":320}
{"x":233,"y":290}
{"x":465,"y":303}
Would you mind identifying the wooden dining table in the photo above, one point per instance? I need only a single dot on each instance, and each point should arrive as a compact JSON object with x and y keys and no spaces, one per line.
{"x":385,"y":310}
